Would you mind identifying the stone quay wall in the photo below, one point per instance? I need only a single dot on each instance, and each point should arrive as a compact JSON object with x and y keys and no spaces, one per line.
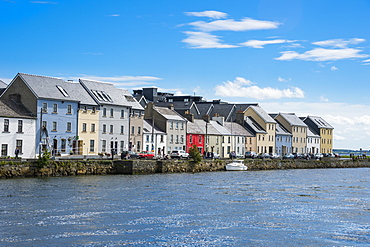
{"x":53,"y":168}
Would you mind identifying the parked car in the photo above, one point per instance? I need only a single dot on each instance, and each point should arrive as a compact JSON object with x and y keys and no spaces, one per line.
{"x":264,"y":156}
{"x":288,"y":156}
{"x":274,"y":156}
{"x":179,"y":154}
{"x":250,"y":154}
{"x":318,"y":156}
{"x":146,"y":155}
{"x":216,"y":156}
{"x":133,"y":155}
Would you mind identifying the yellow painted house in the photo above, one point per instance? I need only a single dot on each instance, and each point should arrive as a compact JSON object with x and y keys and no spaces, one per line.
{"x":262,"y":126}
{"x":88,"y":130}
{"x":324,"y":129}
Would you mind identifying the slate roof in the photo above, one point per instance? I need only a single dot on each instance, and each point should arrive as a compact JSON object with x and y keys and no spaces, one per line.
{"x":266,"y":117}
{"x":168,"y":113}
{"x":312,"y":133}
{"x":253,"y":126}
{"x":293,"y":120}
{"x":319,"y":122}
{"x":3,"y":84}
{"x":181,"y":107}
{"x":105,"y":93}
{"x":280,"y":130}
{"x":55,"y":88}
{"x":147,"y":128}
{"x":9,"y":108}
{"x":221,"y":130}
{"x":237,"y":129}
{"x":131,"y":101}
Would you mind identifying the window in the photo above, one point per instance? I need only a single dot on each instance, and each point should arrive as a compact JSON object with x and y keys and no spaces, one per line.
{"x":111,"y":129}
{"x":44,"y":124}
{"x":63,"y":145}
{"x":111,"y":112}
{"x":182,"y":139}
{"x":69,"y":109}
{"x":19,"y":145}
{"x":20,"y":126}
{"x":133,"y":130}
{"x":69,"y":126}
{"x":182,"y":126}
{"x":139,"y":130}
{"x":122,"y":129}
{"x":63,"y":91}
{"x":55,"y":108}
{"x":4,"y":149}
{"x":191,"y":138}
{"x":177,"y":138}
{"x":104,"y":145}
{"x":85,"y":109}
{"x":122,"y":113}
{"x":177,"y":125}
{"x":122,"y":145}
{"x":92,"y":145}
{"x":44,"y":107}
{"x":6,"y":125}
{"x":171,"y":125}
{"x":138,"y":146}
{"x":147,"y":138}
{"x":162,"y":138}
{"x":200,"y":139}
{"x":54,"y":126}
{"x":171,"y":140}
{"x":83,"y":127}
{"x":104,"y":128}
{"x":92,"y":127}
{"x":104,"y":112}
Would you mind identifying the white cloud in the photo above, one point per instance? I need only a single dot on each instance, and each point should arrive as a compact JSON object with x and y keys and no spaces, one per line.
{"x":241,"y":87}
{"x":261,"y":43}
{"x":114,"y":15}
{"x":245,"y":24}
{"x":210,"y":13}
{"x":323,"y":98}
{"x":204,"y":40}
{"x":43,"y":2}
{"x":283,"y":79}
{"x":338,"y":43}
{"x":321,"y":54}
{"x":6,"y":80}
{"x":333,"y":68}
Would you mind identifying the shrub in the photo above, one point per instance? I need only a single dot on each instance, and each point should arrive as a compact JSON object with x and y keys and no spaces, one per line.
{"x":194,"y":154}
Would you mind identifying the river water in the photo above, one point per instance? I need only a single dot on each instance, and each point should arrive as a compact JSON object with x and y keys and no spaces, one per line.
{"x":323,"y":207}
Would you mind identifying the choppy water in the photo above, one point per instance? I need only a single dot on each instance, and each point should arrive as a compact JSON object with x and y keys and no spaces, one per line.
{"x":326,"y":207}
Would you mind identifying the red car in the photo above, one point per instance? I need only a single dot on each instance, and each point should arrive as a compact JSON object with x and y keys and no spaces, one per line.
{"x":146,"y":155}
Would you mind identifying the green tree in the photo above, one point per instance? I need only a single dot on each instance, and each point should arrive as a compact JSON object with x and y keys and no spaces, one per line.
{"x":194,"y":154}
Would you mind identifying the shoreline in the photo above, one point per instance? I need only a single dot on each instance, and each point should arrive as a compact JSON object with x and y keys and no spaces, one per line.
{"x":53,"y":168}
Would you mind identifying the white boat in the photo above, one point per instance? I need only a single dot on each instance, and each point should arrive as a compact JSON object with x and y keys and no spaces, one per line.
{"x":236,"y":165}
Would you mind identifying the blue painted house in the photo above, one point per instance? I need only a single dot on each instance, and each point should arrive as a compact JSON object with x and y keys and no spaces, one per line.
{"x":55,"y":102}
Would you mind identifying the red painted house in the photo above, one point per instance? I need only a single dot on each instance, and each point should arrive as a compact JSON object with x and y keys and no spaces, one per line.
{"x":195,"y":135}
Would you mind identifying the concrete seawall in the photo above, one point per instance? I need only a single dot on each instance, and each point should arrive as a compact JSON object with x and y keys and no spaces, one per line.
{"x":19,"y":169}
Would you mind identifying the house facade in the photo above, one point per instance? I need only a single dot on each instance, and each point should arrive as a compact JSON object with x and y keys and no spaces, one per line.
{"x":323,"y":129}
{"x":18,"y":130}
{"x":170,"y":122}
{"x":154,"y":139}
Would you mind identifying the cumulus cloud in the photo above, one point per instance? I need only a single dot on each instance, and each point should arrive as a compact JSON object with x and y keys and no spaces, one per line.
{"x":323,"y":98}
{"x":241,"y":87}
{"x":114,"y":15}
{"x":338,"y":43}
{"x":210,"y":14}
{"x":261,"y":43}
{"x":204,"y":40}
{"x":321,"y":54}
{"x":246,"y":24}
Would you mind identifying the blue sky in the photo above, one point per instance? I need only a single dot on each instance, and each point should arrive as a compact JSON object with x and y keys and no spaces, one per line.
{"x":311,"y":57}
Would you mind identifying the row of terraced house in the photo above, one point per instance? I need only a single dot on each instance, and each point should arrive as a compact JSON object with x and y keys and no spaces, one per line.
{"x":91,"y":118}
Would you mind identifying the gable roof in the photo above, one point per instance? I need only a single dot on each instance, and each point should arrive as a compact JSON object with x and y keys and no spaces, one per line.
{"x":148,"y":128}
{"x":312,"y":133}
{"x":130,"y":100}
{"x":169,"y":114}
{"x":260,"y":112}
{"x":55,"y":88}
{"x":3,"y":84}
{"x":281,"y":130}
{"x":237,"y":129}
{"x":293,"y":120}
{"x":319,"y":122}
{"x":253,"y":126}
